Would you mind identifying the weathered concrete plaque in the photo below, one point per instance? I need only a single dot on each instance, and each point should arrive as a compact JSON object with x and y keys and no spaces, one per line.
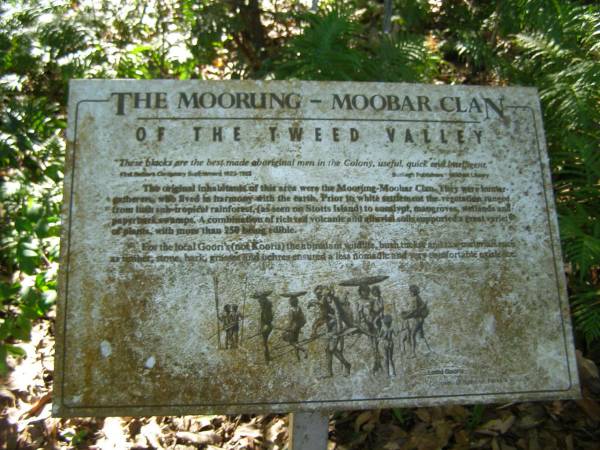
{"x":278,"y":246}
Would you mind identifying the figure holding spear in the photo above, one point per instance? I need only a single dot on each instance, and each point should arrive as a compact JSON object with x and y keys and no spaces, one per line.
{"x":216,"y":289}
{"x":244,"y":306}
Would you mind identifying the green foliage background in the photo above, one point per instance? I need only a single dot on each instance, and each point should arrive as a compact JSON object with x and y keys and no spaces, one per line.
{"x":553,"y":45}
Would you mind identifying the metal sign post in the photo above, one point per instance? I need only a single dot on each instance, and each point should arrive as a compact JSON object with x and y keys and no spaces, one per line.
{"x":309,"y":431}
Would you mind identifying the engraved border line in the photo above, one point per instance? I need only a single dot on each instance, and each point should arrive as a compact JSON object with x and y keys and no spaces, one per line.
{"x":191,"y":405}
{"x":68,"y":255}
{"x":552,"y":240}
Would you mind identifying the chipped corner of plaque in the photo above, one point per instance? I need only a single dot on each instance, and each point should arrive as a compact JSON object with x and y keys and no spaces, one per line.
{"x":64,"y":407}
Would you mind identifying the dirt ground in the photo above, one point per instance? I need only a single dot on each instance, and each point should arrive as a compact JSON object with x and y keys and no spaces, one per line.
{"x":26,"y":421}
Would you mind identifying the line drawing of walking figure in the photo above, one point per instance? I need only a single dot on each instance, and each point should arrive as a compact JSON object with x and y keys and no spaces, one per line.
{"x":296,"y":320}
{"x":266,"y":320}
{"x":387,"y":334}
{"x":416,"y":318}
{"x":336,"y":329}
{"x":369,"y":313}
{"x":405,"y":335}
{"x":321,"y":304}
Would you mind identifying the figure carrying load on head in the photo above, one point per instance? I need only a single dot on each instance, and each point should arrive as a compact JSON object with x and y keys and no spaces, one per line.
{"x":377,"y":308}
{"x":336,"y":327}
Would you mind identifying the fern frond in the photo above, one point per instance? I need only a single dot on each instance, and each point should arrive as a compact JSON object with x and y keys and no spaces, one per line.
{"x":586,"y":312}
{"x":580,"y":233}
{"x":405,"y":59}
{"x":324,"y":51}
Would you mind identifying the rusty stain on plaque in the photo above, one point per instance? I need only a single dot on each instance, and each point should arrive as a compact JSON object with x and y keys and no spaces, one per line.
{"x":249,"y":246}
